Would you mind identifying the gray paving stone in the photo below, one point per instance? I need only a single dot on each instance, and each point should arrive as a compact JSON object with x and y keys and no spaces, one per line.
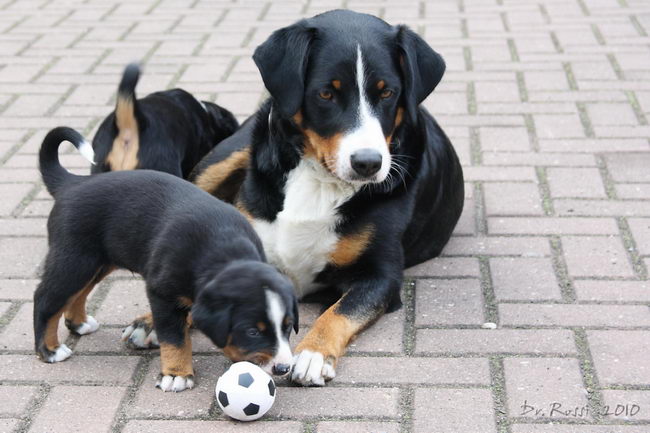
{"x":596,"y":256}
{"x":453,"y":411}
{"x":620,"y":356}
{"x":494,"y":341}
{"x":450,"y":302}
{"x":16,"y":399}
{"x":173,"y":426}
{"x":524,"y":278}
{"x":544,"y":388}
{"x":574,"y":315}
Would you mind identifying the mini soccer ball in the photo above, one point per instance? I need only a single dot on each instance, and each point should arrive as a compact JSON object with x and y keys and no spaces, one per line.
{"x":245,"y":392}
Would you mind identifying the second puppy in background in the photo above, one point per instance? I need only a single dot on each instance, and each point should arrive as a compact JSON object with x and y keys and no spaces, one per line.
{"x":167,"y":131}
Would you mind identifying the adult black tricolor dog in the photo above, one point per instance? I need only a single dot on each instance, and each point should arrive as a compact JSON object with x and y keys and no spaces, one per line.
{"x":344,"y":176}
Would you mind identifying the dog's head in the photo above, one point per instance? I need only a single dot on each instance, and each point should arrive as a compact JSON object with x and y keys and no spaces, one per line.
{"x":348,"y":81}
{"x":249,"y":310}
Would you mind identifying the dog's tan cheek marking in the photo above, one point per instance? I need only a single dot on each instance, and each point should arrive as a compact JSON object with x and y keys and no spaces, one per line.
{"x":177,"y":360}
{"x":350,"y":247}
{"x":261,"y":326}
{"x":216,"y":174}
{"x":184,"y":301}
{"x":297,"y":118}
{"x":399,"y":118}
{"x":321,"y":148}
{"x":124,"y":153}
{"x":330,"y":334}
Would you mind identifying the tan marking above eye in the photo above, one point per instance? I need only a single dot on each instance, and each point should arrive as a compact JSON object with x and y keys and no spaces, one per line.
{"x":381,"y":84}
{"x":336,"y":84}
{"x":261,"y":326}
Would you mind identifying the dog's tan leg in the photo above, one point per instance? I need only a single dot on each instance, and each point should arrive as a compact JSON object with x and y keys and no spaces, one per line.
{"x":176,"y":373}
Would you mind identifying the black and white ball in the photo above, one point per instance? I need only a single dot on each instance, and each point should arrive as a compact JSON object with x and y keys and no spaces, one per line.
{"x":245,"y":392}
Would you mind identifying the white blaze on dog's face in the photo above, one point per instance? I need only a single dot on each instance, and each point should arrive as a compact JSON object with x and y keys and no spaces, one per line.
{"x":363,"y":152}
{"x":280,"y":364}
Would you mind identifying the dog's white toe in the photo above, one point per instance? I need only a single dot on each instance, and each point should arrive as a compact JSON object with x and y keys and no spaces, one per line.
{"x":312,"y":369}
{"x":61,"y":353}
{"x":89,"y":326}
{"x":139,"y":337}
{"x":175,"y":383}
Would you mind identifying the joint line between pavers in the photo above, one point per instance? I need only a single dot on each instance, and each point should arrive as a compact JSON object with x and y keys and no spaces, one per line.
{"x":583,"y":7}
{"x":638,"y":27}
{"x":544,"y":190}
{"x":588,"y":372}
{"x":476,"y":154}
{"x":472,"y":108}
{"x":629,"y":244}
{"x":529,"y":122}
{"x":490,"y":308}
{"x":139,"y":374}
{"x":34,"y":407}
{"x":27,"y":199}
{"x":264,"y":11}
{"x":561,"y":270}
{"x":408,"y":302}
{"x":544,"y":12}
{"x":636,"y":107}
{"x":521,"y":86}
{"x":407,"y":409}
{"x":152,"y":7}
{"x":620,"y":74}
{"x":479,"y":210}
{"x":177,"y":76}
{"x":11,"y":312}
{"x":585,"y":120}
{"x":606,"y":177}
{"x":499,"y":394}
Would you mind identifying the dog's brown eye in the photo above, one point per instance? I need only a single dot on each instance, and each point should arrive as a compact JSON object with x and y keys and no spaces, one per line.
{"x":386,"y":94}
{"x":325,"y":94}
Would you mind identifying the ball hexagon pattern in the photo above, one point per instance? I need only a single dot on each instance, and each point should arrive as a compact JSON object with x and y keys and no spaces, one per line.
{"x":245,"y":392}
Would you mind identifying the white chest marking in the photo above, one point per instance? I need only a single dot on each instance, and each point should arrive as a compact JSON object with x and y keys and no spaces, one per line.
{"x":301,"y":238}
{"x":276,"y":313}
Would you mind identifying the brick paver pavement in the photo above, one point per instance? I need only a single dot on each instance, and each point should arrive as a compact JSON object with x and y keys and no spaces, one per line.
{"x":547,"y":103}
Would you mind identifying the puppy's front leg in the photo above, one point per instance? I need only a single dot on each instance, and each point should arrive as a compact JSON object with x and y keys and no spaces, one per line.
{"x":317,"y":354}
{"x":170,"y":323}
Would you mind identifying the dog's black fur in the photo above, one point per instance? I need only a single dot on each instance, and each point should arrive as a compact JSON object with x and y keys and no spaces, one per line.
{"x":195,"y":253}
{"x":167,"y":131}
{"x":309,"y":70}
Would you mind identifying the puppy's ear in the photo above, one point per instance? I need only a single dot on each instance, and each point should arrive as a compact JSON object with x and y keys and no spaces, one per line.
{"x":212,"y":316}
{"x":422,"y":68}
{"x":282,"y":61}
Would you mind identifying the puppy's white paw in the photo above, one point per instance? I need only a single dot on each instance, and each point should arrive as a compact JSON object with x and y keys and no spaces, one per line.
{"x":89,"y":326}
{"x":312,"y":369}
{"x":140,"y":337}
{"x":61,"y":353}
{"x":175,"y":383}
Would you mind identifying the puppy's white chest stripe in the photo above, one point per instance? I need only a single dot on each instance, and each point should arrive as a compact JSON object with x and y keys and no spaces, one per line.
{"x":303,"y":235}
{"x":275,"y":311}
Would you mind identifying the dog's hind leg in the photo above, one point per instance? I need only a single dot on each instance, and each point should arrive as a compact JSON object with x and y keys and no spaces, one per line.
{"x":65,"y":279}
{"x":76,"y":319}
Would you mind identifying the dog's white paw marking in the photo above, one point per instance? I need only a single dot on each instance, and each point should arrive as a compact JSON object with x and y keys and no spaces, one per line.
{"x":89,"y":326}
{"x":139,"y":337}
{"x":175,"y":383}
{"x":311,"y":368}
{"x":61,"y":353}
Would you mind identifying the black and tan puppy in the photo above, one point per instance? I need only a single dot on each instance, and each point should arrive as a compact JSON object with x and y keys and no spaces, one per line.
{"x":346,"y":179}
{"x":196,"y":254}
{"x":167,"y":131}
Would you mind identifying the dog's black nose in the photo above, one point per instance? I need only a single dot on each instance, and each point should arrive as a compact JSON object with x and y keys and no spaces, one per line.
{"x":366,"y":162}
{"x":281,"y":369}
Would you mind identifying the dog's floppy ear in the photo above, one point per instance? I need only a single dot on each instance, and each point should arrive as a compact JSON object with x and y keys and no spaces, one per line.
{"x":282,"y":61}
{"x":211,"y":314}
{"x":422,"y":68}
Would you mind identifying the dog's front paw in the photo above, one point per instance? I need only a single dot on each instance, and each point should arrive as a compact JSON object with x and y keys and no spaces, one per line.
{"x":313,"y":368}
{"x":140,"y":334}
{"x":175,"y":383}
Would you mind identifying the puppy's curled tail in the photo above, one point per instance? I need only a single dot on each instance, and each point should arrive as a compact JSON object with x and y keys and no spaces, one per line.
{"x":54,"y":175}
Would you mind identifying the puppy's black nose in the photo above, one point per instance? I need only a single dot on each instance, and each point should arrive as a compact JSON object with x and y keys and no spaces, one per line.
{"x":281,"y":369}
{"x":366,"y":162}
